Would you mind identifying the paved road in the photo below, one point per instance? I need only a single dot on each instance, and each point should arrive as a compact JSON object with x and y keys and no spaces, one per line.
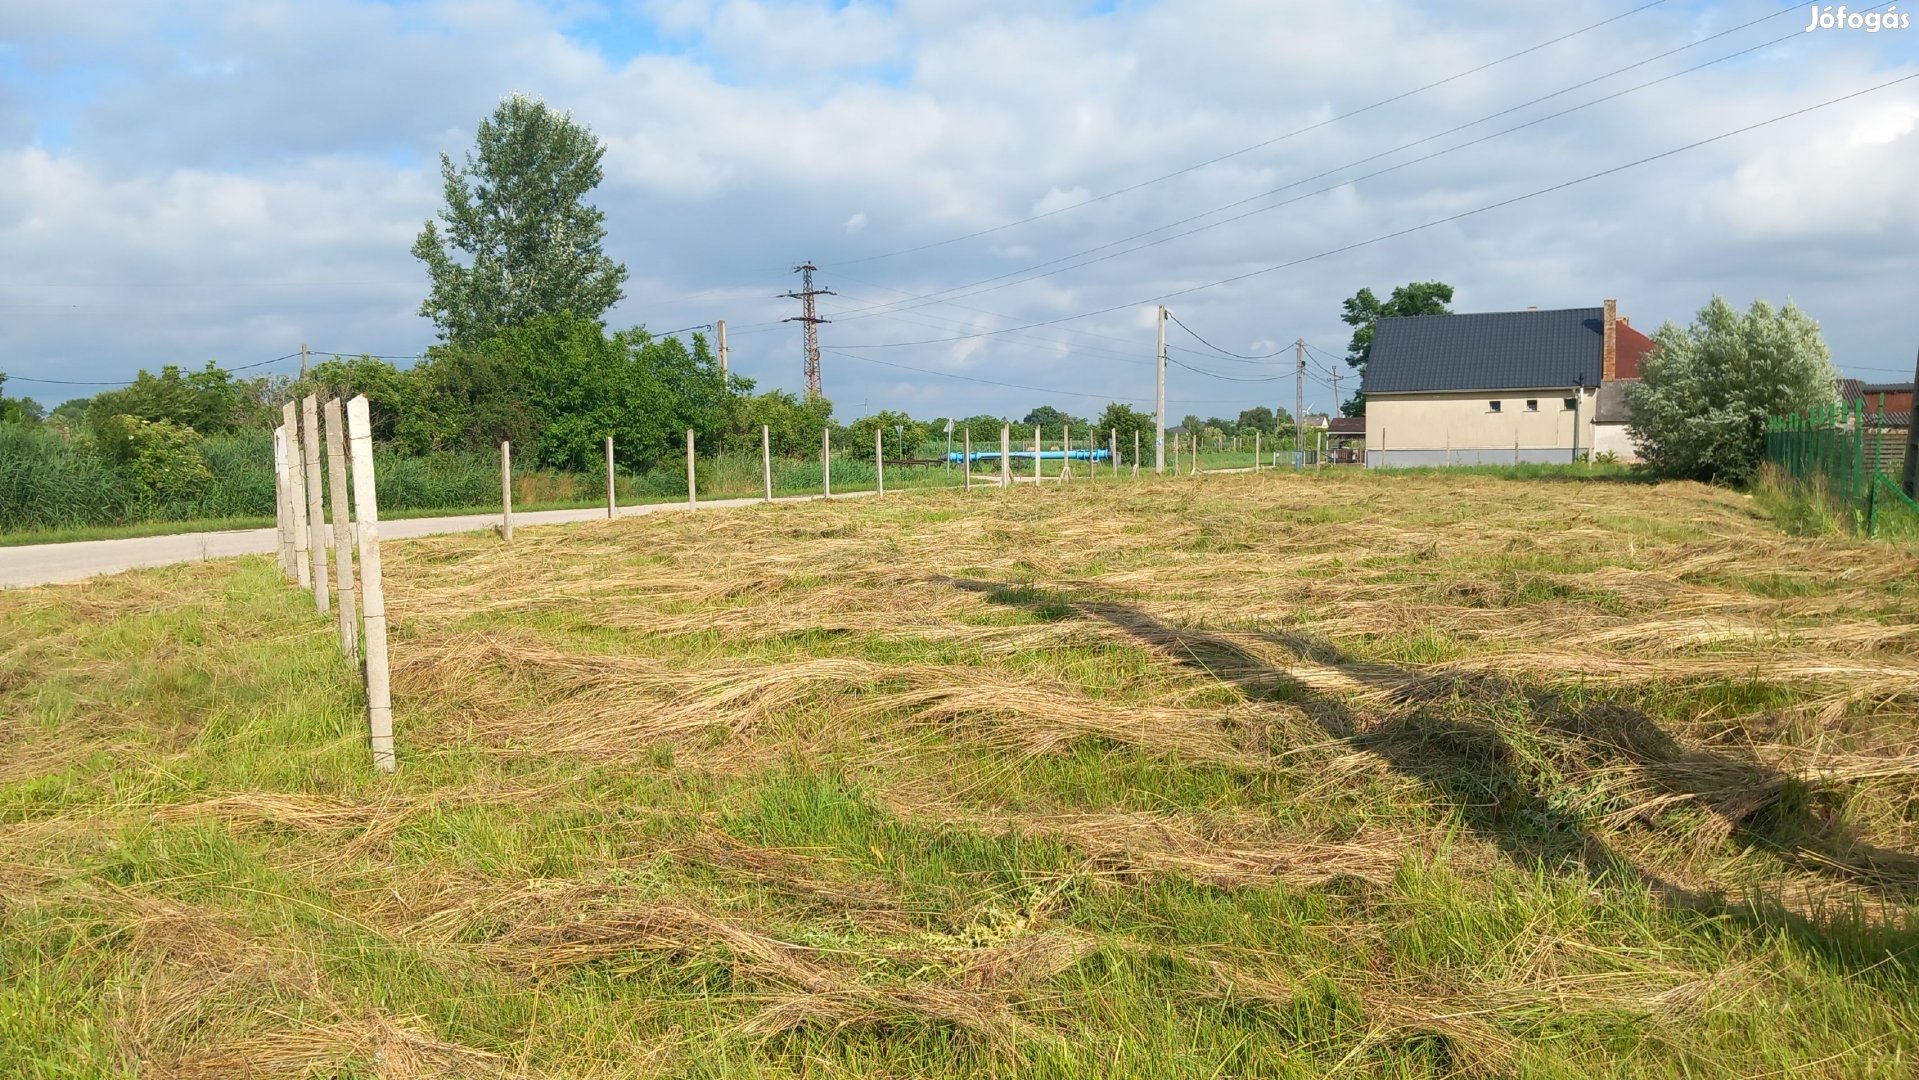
{"x":46,"y":564}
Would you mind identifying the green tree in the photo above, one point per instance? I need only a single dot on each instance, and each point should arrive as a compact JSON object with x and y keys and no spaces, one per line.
{"x":1258,"y":418}
{"x":1363,"y":310}
{"x":1700,"y":405}
{"x":18,"y":410}
{"x":1127,"y":420}
{"x":517,"y":212}
{"x":390,"y":392}
{"x":793,"y":424}
{"x":1047,"y":417}
{"x":163,"y":455}
{"x":208,"y":401}
{"x":891,"y":424}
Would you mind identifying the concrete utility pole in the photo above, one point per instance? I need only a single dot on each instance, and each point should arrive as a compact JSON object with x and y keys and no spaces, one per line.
{"x":303,"y":359}
{"x":811,"y":318}
{"x":720,"y":332}
{"x":1299,"y":400}
{"x":1159,"y":400}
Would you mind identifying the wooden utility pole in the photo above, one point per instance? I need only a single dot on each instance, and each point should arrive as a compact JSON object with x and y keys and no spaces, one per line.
{"x":366,"y":511}
{"x":316,"y":512}
{"x":506,"y":489}
{"x":342,"y":528}
{"x":1159,"y":399}
{"x":612,"y":505}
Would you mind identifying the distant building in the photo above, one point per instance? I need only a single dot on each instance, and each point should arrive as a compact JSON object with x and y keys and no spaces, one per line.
{"x":1499,"y":388}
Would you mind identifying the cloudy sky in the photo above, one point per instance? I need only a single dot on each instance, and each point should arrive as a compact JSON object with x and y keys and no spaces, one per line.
{"x":193,"y":180}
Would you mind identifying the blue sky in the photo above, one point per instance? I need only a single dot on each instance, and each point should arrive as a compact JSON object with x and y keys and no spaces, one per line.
{"x":206,"y":179}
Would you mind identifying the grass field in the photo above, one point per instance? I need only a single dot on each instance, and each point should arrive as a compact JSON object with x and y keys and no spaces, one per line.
{"x":1386,"y":776}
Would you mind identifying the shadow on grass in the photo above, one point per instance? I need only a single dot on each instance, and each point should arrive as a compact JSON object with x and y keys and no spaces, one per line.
{"x":1432,"y":735}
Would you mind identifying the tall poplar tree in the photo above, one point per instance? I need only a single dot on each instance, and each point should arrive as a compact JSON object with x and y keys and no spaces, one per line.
{"x":520,"y":240}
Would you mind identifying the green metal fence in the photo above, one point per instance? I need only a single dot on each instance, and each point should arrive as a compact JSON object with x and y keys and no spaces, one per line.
{"x":1849,"y":460}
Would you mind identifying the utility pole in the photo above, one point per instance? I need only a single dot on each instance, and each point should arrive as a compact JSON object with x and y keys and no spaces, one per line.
{"x":812,"y":320}
{"x":1299,"y":400}
{"x":1159,"y":401}
{"x":303,"y":360}
{"x":721,"y":331}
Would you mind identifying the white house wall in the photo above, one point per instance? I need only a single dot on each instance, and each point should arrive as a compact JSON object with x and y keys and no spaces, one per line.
{"x":1464,"y":429}
{"x":1613,"y":438}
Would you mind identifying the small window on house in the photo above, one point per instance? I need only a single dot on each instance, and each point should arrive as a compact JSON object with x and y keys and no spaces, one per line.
{"x":1570,"y":403}
{"x":1493,"y":405}
{"x":1532,"y":404}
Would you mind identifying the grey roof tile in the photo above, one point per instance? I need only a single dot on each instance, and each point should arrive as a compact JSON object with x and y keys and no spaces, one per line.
{"x":1500,"y":350}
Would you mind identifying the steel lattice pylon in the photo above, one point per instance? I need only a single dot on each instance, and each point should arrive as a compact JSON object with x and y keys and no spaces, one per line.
{"x":812,"y":320}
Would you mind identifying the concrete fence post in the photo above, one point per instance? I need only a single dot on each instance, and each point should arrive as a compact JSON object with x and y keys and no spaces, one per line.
{"x":826,"y":461}
{"x":1135,"y":453}
{"x":1255,"y":451}
{"x":692,"y":481}
{"x":506,"y":490}
{"x":1036,"y":448}
{"x":1112,"y":453}
{"x":282,"y":515}
{"x":1006,"y":455}
{"x":612,"y":500}
{"x":316,"y":489}
{"x":366,"y":511}
{"x":966,"y":476}
{"x":337,"y":501}
{"x":297,"y":498}
{"x":766,"y":460}
{"x":879,"y":461}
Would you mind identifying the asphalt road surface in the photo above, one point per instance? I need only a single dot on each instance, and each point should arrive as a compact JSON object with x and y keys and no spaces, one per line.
{"x":47,"y":564}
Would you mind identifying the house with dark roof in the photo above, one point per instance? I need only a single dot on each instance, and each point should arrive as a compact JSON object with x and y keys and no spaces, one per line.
{"x":1498,"y":388}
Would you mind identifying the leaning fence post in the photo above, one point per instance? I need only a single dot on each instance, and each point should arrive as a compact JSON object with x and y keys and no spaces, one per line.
{"x":692,"y":486}
{"x":966,"y":475}
{"x":612,"y":501}
{"x":1006,"y":455}
{"x":879,"y":460}
{"x":366,"y":511}
{"x":316,"y":514}
{"x":297,"y":496}
{"x":342,"y":528}
{"x":283,"y":518}
{"x":505,"y":490}
{"x":826,"y":461}
{"x":766,"y":460}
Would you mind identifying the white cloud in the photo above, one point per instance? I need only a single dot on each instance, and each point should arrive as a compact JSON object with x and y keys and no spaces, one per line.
{"x":235,"y":178}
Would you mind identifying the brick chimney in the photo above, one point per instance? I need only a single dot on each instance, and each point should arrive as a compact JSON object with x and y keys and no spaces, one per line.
{"x":1609,"y":356}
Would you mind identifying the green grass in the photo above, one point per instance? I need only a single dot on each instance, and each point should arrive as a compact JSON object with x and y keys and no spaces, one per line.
{"x":1082,"y":781}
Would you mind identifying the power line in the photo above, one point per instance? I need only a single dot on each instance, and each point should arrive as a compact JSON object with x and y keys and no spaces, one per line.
{"x":1259,"y":145}
{"x":1227,"y":378}
{"x":1462,"y":215}
{"x":130,"y":382}
{"x":1217,"y":349}
{"x":1031,"y":275}
{"x":1021,"y":386}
